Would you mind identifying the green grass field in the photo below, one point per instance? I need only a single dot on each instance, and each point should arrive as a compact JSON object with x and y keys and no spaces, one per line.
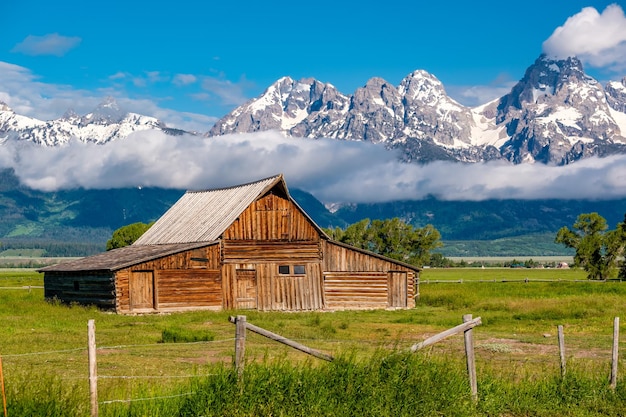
{"x":43,"y":347}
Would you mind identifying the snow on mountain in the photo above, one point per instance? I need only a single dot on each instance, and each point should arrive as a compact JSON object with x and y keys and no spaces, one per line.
{"x":555,"y":114}
{"x":106,"y":123}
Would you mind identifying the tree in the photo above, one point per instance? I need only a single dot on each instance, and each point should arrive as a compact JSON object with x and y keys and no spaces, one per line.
{"x":127,"y":235}
{"x":597,"y":250}
{"x":392,"y":238}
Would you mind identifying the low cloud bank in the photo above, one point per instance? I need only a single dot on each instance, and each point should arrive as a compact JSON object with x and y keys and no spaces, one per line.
{"x":334,"y":171}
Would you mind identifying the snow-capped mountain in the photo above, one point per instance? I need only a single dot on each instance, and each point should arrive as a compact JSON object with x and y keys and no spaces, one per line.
{"x":106,"y":123}
{"x":555,"y":115}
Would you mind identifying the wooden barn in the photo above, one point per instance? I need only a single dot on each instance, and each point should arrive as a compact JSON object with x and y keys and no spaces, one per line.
{"x":249,"y":246}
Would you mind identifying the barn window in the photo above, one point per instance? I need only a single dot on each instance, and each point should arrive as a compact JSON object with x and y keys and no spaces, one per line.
{"x":289,"y":269}
{"x":76,"y":286}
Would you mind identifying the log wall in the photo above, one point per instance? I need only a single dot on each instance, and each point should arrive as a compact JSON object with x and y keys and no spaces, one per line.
{"x":356,"y":291}
{"x":358,"y":280}
{"x":96,"y":288}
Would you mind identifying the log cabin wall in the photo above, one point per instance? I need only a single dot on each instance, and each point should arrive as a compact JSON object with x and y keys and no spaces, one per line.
{"x":83,"y":287}
{"x":358,"y":280}
{"x":186,"y":280}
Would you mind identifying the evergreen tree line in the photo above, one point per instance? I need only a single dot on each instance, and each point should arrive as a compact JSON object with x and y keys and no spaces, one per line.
{"x":52,"y":248}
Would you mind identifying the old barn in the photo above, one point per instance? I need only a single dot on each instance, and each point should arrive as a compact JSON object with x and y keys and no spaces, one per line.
{"x":248,"y":246}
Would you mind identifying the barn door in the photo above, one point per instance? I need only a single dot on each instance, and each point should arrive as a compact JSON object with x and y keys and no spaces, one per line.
{"x":398,"y":289}
{"x":142,"y":290}
{"x":245,"y":288}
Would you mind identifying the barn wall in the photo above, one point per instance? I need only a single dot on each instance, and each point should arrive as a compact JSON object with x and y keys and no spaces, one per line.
{"x":272,"y":218}
{"x":275,"y":291}
{"x":357,"y":280}
{"x":356,"y":290}
{"x":186,"y":280}
{"x":96,"y":288}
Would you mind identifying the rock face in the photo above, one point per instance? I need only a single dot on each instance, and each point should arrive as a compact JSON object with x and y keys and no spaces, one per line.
{"x":555,"y":115}
{"x":616,"y":96}
{"x":105,"y":124}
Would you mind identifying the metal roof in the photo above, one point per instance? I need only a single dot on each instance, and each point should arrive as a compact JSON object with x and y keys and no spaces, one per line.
{"x":202,"y":216}
{"x":117,"y":259}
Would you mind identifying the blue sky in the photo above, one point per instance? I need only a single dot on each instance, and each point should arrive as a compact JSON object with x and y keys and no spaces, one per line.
{"x":190,"y":62}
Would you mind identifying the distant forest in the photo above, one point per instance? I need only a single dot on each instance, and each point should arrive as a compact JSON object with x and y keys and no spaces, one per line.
{"x":50,"y":248}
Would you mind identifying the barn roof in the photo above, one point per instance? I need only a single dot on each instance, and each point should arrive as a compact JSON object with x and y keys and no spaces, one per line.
{"x":116,"y":259}
{"x":202,"y":216}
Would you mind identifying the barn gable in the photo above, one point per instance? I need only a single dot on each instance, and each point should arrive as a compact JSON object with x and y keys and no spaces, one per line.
{"x":249,"y":246}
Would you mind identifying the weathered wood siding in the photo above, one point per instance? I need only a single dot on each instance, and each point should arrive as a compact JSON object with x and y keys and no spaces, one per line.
{"x":358,"y":280}
{"x":186,"y":280}
{"x":274,"y":291}
{"x":89,"y":287}
{"x":178,"y":289}
{"x":272,"y":218}
{"x":356,"y":290}
{"x":245,"y":251}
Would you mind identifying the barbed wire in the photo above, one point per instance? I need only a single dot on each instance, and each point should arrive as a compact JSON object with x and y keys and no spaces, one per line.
{"x":145,"y":399}
{"x":152,"y":376}
{"x":43,"y":353}
{"x":160,"y":344}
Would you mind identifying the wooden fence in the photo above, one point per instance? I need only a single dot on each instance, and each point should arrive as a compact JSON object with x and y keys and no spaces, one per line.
{"x":241,"y":326}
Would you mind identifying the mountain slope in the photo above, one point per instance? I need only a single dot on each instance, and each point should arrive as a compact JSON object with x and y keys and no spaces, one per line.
{"x":90,"y":216}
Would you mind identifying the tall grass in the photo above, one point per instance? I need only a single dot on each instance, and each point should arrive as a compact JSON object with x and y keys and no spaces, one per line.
{"x":385,"y":384}
{"x":180,"y":364}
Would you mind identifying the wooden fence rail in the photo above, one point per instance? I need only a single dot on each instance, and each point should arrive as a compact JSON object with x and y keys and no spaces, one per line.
{"x":465,"y":328}
{"x":240,"y":336}
{"x":520,"y":280}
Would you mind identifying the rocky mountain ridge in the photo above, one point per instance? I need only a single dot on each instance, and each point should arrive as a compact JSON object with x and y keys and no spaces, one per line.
{"x":105,"y":124}
{"x":555,"y":114}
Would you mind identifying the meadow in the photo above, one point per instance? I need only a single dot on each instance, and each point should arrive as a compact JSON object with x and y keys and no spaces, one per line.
{"x":181,"y":364}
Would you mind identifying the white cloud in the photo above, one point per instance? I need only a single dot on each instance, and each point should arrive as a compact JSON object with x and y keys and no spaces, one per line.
{"x":334,"y":171}
{"x":184,"y":79}
{"x":229,"y":93}
{"x":26,"y":95}
{"x":597,"y":39}
{"x":50,"y":44}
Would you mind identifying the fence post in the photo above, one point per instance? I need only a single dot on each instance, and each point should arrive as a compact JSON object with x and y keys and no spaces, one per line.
{"x":240,"y":344}
{"x":561,"y":349}
{"x":614,"y":355}
{"x":4,"y":397}
{"x":93,"y":369}
{"x":471,"y":363}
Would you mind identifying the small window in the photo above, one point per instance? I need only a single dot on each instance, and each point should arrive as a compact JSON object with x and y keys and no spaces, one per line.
{"x":283,"y":269}
{"x":76,"y":286}
{"x":298,"y":269}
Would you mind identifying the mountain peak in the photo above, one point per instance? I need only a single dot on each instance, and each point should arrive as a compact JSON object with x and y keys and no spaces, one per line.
{"x":107,"y":112}
{"x":4,"y":106}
